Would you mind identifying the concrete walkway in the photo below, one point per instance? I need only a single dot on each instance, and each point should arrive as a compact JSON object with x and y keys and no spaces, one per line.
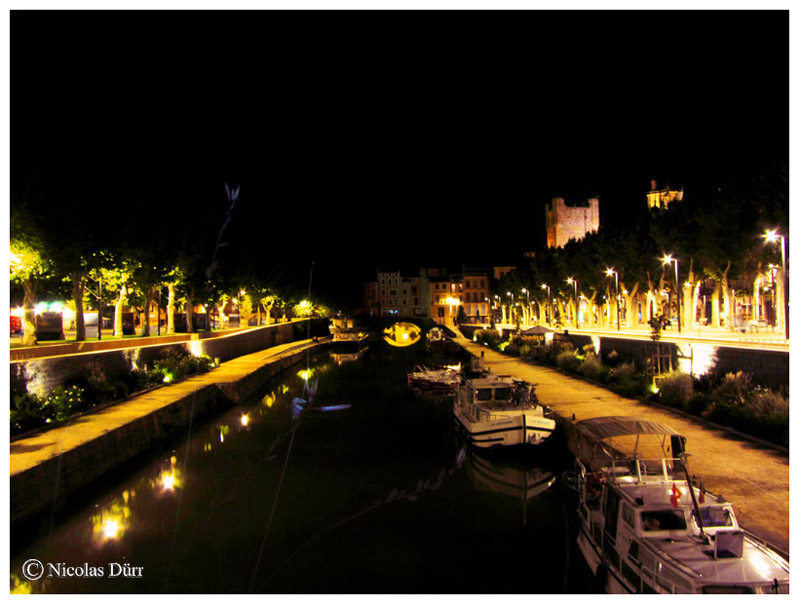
{"x":754,"y":478}
{"x":50,"y":465}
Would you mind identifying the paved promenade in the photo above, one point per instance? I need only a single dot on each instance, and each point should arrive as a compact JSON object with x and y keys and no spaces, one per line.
{"x":754,"y":478}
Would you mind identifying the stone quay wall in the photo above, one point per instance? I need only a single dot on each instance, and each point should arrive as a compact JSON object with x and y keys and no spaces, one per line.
{"x":41,"y":375}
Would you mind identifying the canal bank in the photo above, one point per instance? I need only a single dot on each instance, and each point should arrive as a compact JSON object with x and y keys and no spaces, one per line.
{"x":48,"y":467}
{"x":755,"y":478}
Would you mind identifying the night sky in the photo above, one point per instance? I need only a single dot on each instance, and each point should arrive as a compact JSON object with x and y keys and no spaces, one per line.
{"x":398,"y":138}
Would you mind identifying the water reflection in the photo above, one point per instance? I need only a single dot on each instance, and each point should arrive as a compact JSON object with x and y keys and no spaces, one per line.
{"x":402,"y":334}
{"x":509,"y":477}
{"x":370,"y":496}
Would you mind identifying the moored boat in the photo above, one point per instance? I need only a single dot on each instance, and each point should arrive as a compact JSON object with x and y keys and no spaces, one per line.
{"x":647,"y":527}
{"x":496,"y":411}
{"x":437,"y":380}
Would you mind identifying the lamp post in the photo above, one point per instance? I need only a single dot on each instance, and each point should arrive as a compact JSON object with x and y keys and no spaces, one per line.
{"x":667,"y":260}
{"x":549,"y":309}
{"x":609,"y":272}
{"x":574,"y":284}
{"x":527,"y":307}
{"x":772,"y":237}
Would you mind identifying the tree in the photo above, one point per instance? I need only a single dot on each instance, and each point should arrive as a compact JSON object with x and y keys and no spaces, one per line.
{"x":28,"y":268}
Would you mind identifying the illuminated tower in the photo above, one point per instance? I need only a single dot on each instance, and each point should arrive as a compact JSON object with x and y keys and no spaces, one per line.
{"x":565,"y":222}
{"x":661,"y":198}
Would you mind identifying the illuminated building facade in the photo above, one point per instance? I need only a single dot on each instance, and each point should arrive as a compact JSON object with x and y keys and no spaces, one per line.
{"x":661,"y":198}
{"x":565,"y":222}
{"x":400,"y":296}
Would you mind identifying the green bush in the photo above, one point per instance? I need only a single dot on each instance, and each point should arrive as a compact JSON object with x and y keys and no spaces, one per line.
{"x":676,"y":389}
{"x":27,"y":412}
{"x":63,"y":402}
{"x":489,"y":338}
{"x":568,"y":360}
{"x":591,"y":367}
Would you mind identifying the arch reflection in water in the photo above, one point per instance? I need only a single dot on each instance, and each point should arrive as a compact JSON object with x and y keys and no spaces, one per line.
{"x":402,"y":334}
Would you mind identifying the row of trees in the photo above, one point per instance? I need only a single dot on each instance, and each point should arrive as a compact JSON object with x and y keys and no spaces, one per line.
{"x":184,"y":243}
{"x":718,"y":240}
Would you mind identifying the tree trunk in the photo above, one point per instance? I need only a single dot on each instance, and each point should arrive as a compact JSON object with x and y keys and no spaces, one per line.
{"x":121,"y":300}
{"x":190,"y":312}
{"x":29,"y":315}
{"x":715,"y":307}
{"x":727,"y":298}
{"x":148,"y":300}
{"x":78,"y":285}
{"x":171,"y":309}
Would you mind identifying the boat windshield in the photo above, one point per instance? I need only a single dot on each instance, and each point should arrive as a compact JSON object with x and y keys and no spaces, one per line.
{"x":715,"y":516}
{"x":488,"y":394}
{"x":663,"y":520}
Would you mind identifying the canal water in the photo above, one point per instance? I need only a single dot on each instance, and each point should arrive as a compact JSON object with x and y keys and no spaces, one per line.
{"x":335,"y":478}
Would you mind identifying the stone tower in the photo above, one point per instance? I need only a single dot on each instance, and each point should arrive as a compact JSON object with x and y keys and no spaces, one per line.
{"x":565,"y":222}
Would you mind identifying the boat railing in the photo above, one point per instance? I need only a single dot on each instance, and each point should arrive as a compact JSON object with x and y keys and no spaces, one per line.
{"x":642,"y":470}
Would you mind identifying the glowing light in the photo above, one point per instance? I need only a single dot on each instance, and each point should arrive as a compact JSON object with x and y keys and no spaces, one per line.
{"x":110,"y":529}
{"x":167,"y":377}
{"x":41,"y":307}
{"x":245,"y":420}
{"x":168,"y":481}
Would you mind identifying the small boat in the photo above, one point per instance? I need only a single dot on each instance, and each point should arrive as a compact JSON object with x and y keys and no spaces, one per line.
{"x":647,"y":527}
{"x":439,"y":380}
{"x":438,"y":343}
{"x":344,"y":330}
{"x":496,"y":411}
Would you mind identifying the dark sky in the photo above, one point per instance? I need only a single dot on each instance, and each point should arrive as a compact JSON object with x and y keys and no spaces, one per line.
{"x":419,"y":138}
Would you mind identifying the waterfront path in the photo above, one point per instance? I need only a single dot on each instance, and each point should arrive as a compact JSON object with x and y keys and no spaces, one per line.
{"x":753,"y":477}
{"x":56,"y":462}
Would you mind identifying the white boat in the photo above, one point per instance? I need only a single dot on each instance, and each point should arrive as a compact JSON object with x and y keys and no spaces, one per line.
{"x":438,"y":380}
{"x":344,"y":330}
{"x":496,"y":411}
{"x":647,"y":528}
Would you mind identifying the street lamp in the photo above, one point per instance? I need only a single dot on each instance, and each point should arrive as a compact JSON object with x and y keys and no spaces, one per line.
{"x":609,"y":273}
{"x":549,"y":309}
{"x":667,"y":260}
{"x":574,"y":284}
{"x":772,"y":237}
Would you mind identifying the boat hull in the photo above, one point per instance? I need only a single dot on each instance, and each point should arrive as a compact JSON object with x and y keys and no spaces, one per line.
{"x":512,"y":428}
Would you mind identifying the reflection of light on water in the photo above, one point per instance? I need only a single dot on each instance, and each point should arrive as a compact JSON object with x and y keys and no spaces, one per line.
{"x":110,"y":529}
{"x":167,"y":481}
{"x":268,"y":400}
{"x":402,"y":334}
{"x":306,"y":374}
{"x":245,"y":419}
{"x":169,"y":477}
{"x":112,"y":521}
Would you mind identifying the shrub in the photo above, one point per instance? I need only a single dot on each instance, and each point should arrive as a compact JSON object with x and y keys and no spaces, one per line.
{"x":622,"y":372}
{"x":63,"y":402}
{"x":676,"y":389}
{"x":591,"y":367}
{"x":27,"y":412}
{"x":490,"y":338}
{"x":568,"y":360}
